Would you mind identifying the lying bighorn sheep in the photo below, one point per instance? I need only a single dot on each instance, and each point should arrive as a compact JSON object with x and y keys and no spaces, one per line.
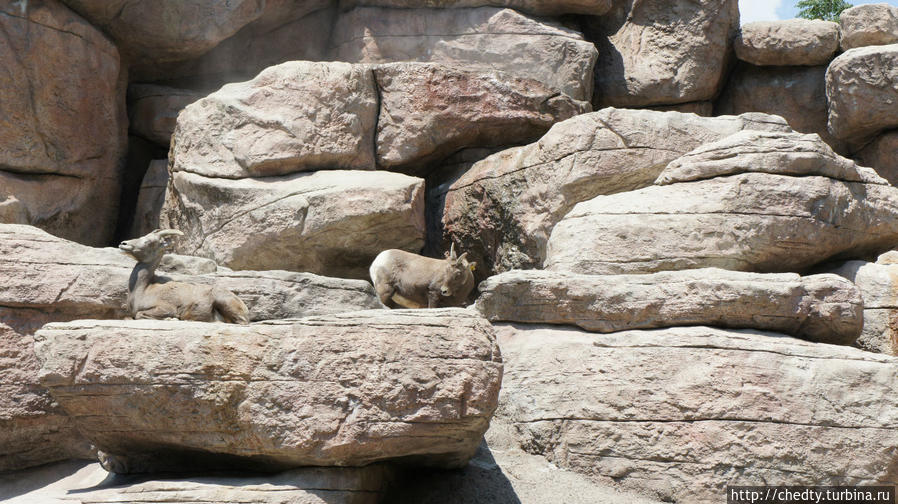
{"x":152,"y":298}
{"x":413,"y":281}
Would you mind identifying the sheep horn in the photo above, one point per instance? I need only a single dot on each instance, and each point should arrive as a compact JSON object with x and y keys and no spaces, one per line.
{"x":452,"y":252}
{"x":169,"y":232}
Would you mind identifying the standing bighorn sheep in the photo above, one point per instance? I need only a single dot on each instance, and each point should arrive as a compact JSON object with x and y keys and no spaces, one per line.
{"x":403,"y":279}
{"x":150,"y":297}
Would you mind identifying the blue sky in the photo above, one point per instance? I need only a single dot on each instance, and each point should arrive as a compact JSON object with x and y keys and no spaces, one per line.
{"x":769,"y":10}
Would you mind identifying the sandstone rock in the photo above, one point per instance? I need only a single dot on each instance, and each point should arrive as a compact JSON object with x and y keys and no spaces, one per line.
{"x":326,"y":222}
{"x":298,"y":116}
{"x":702,"y":108}
{"x":878,"y":283}
{"x":150,"y":199}
{"x":153,"y":110}
{"x":822,"y":308}
{"x":538,"y":7}
{"x":800,"y":42}
{"x":881,"y":154}
{"x":63,"y":127}
{"x":732,"y":204}
{"x":91,"y":484}
{"x":418,"y":386}
{"x":429,"y":111}
{"x":503,"y":209}
{"x":862,"y":88}
{"x":681,"y":413}
{"x":483,"y":38}
{"x":870,"y":24}
{"x":747,"y":222}
{"x":657,"y":52}
{"x":797,"y":94}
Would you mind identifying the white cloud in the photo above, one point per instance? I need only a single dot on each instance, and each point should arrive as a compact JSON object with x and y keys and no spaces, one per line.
{"x":758,"y":10}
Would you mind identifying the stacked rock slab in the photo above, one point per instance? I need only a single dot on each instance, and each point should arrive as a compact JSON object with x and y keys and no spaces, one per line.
{"x":340,"y":390}
{"x":870,"y":24}
{"x":878,"y":283}
{"x":862,"y":88}
{"x":153,"y":110}
{"x":793,"y":42}
{"x":754,"y":201}
{"x":48,"y":279}
{"x":483,"y":38}
{"x":680,"y":413}
{"x":504,"y":208}
{"x":653,"y":54}
{"x":63,"y":127}
{"x":824,"y":308}
{"x":537,"y":7}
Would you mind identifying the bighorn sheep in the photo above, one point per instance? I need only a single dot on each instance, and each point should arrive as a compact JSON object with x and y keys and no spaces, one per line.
{"x":150,"y":297}
{"x":403,"y":279}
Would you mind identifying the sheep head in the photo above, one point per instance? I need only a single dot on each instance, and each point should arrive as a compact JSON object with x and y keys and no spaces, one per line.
{"x":150,"y":248}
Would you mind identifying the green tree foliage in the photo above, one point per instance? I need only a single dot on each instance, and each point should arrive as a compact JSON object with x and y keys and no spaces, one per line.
{"x":827,"y":10}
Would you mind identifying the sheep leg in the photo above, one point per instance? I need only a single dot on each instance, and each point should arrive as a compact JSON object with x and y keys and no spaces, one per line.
{"x":156,"y":313}
{"x":231,"y":308}
{"x":385,"y":293}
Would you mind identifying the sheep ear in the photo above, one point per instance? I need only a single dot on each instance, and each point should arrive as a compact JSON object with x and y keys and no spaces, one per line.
{"x":452,"y":252}
{"x":472,"y":266}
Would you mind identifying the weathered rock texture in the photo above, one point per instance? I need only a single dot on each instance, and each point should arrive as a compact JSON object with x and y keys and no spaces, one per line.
{"x":538,"y":7}
{"x":63,"y":127}
{"x":881,"y":154}
{"x":150,"y":199}
{"x":764,"y":202}
{"x":483,"y":38}
{"x":651,"y":53}
{"x":681,"y":413}
{"x":504,"y":208}
{"x":790,"y":42}
{"x":342,"y":390}
{"x":327,"y":222}
{"x":153,"y":110}
{"x":862,"y":88}
{"x":870,"y":24}
{"x":797,"y":94}
{"x":823,"y":308}
{"x":297,"y":116}
{"x":878,"y":283}
{"x":429,"y":111}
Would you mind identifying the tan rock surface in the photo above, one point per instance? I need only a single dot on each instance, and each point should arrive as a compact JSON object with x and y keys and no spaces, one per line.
{"x":150,"y":198}
{"x":428,"y":111}
{"x":504,"y":208}
{"x":538,"y":7}
{"x":297,"y":116}
{"x":658,"y":52}
{"x":484,"y":38}
{"x":862,"y":88}
{"x":788,"y":42}
{"x":330,"y":222}
{"x":878,"y":283}
{"x":680,"y":413}
{"x":881,"y":155}
{"x":63,"y":127}
{"x":869,"y":24}
{"x":415,"y":385}
{"x":823,"y":308}
{"x":153,"y":110}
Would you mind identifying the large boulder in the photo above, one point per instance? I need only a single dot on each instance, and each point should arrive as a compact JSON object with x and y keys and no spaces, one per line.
{"x":680,"y":413}
{"x":297,"y":116}
{"x":342,"y":390}
{"x":862,"y":88}
{"x":428,"y":111}
{"x":799,"y":42}
{"x":657,"y":52}
{"x":504,"y":208}
{"x":795,"y":93}
{"x":153,"y":110}
{"x":823,"y":308}
{"x":330,"y":222}
{"x":755,"y":201}
{"x":870,"y":24}
{"x":538,"y":7}
{"x":878,"y":283}
{"x":63,"y":128}
{"x":484,"y":38}
{"x":880,"y":154}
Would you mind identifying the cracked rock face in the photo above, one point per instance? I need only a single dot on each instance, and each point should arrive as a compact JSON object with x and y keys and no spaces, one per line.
{"x":657,"y":52}
{"x":63,"y":127}
{"x":680,"y":413}
{"x":870,"y":24}
{"x":503,"y":209}
{"x":878,"y":283}
{"x":329,"y":222}
{"x":734,"y":204}
{"x":862,"y":88}
{"x":824,"y":308}
{"x":484,"y":38}
{"x":418,"y":386}
{"x":801,"y":42}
